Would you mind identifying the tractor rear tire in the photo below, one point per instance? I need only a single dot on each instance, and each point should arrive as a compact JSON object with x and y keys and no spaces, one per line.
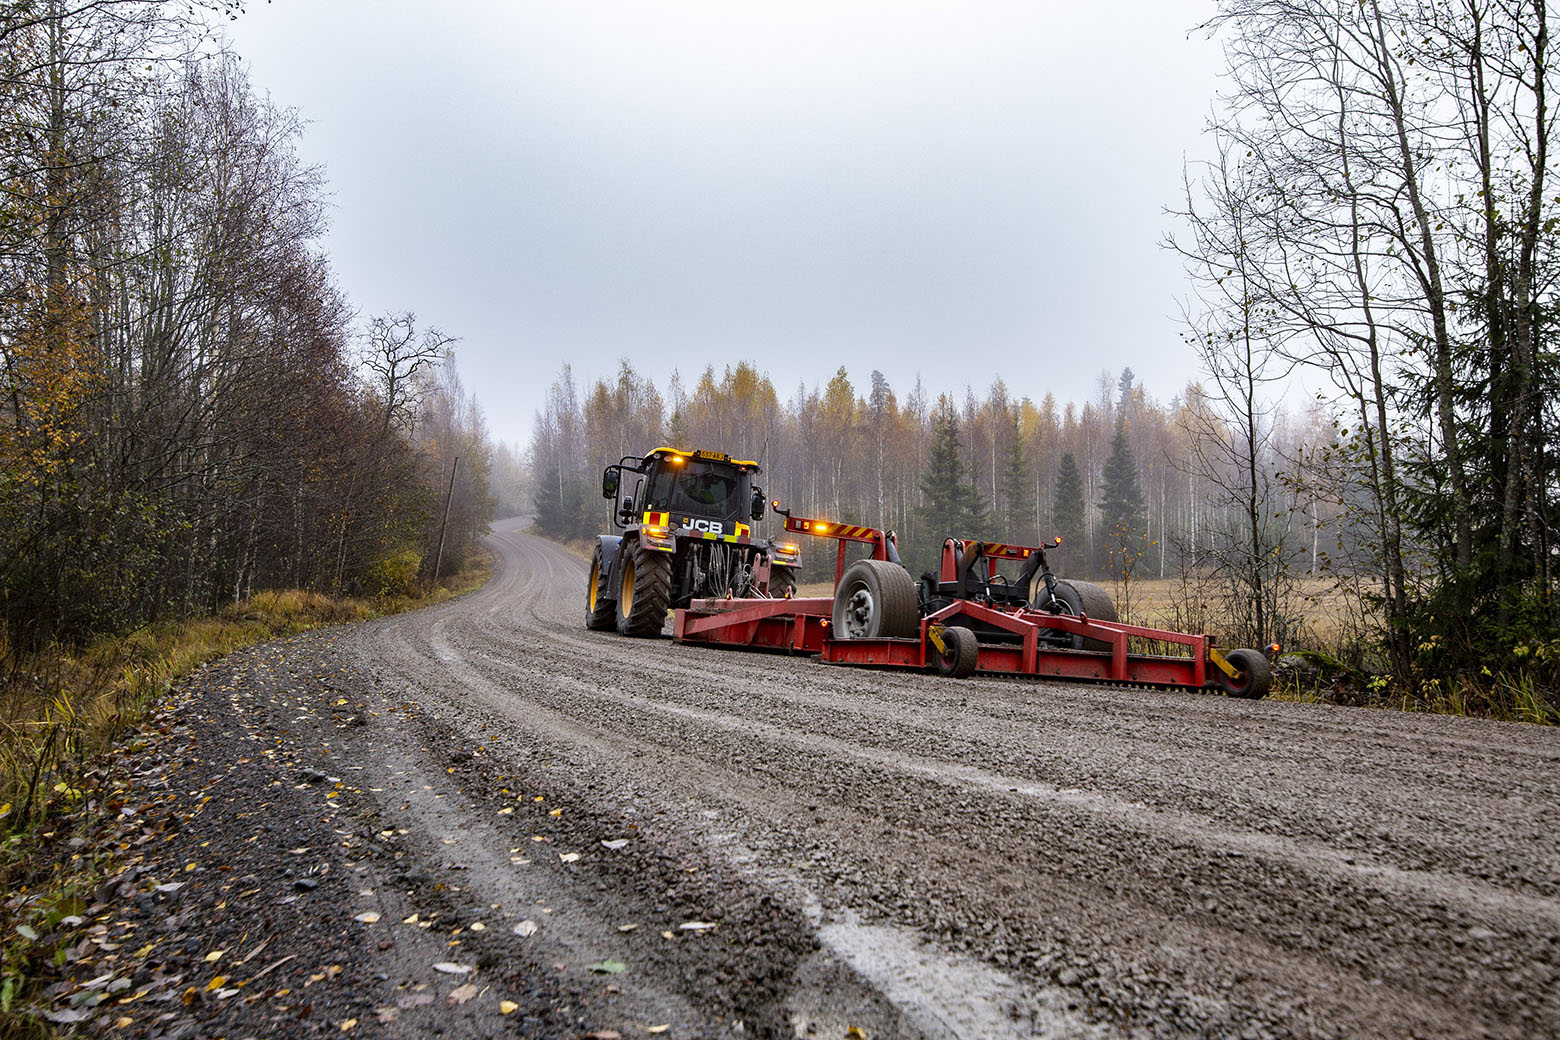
{"x":1085,"y":597}
{"x":961,"y":652}
{"x":1253,"y":678}
{"x":644,"y":591}
{"x":875,"y":599}
{"x":600,"y":612}
{"x":782,"y":582}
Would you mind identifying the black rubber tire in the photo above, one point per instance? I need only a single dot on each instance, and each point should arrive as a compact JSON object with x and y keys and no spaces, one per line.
{"x":1254,"y":676}
{"x":600,"y":612}
{"x":1085,"y":597}
{"x":644,"y":591}
{"x":875,"y":599}
{"x":782,"y":582}
{"x":961,"y":652}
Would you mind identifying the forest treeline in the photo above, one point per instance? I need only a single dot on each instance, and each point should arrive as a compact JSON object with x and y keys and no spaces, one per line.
{"x":191,"y":409}
{"x":1117,"y":478}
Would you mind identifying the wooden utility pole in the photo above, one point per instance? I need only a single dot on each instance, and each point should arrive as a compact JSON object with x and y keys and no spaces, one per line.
{"x":449,"y":496}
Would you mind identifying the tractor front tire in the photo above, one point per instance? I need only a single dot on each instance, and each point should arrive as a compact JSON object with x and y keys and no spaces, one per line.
{"x":782,"y":582}
{"x":875,"y":599}
{"x":600,"y":612}
{"x":644,"y":591}
{"x":1086,"y":598}
{"x":1253,"y":675}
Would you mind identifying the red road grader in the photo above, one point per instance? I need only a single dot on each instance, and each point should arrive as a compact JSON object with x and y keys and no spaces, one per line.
{"x":970,"y":618}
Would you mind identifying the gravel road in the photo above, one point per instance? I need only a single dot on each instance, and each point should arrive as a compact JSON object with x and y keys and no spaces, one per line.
{"x":617,"y":836}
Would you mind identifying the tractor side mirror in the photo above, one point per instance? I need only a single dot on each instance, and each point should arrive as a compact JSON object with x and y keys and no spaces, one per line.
{"x":609,"y":482}
{"x":758,"y":503}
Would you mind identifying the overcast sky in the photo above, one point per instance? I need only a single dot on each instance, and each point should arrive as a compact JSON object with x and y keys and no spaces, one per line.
{"x":957,"y":191}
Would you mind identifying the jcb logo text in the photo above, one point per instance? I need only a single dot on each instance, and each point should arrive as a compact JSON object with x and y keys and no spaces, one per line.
{"x":712,"y":526}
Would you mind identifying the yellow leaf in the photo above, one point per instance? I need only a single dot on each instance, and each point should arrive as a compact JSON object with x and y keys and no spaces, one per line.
{"x":349,"y":1024}
{"x":214,"y":956}
{"x":507,"y":1007}
{"x":215,"y":983}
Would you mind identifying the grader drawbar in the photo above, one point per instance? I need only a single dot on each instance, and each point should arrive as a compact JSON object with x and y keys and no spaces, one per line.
{"x":971,"y":617}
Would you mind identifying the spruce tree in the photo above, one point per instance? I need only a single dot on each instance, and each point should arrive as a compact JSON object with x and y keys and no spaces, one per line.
{"x":1017,"y":520}
{"x":552,"y":515}
{"x":1067,"y":506}
{"x":952,"y":506}
{"x":1121,"y":508}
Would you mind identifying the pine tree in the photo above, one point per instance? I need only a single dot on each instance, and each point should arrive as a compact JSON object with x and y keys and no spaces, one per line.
{"x":1068,"y":506}
{"x":952,"y":507}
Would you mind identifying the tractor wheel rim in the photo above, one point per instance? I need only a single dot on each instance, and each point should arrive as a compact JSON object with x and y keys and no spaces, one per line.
{"x":628,"y":588}
{"x":595,"y":579}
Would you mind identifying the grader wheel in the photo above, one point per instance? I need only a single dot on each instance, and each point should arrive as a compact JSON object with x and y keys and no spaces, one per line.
{"x":1085,"y":597}
{"x":875,"y":599}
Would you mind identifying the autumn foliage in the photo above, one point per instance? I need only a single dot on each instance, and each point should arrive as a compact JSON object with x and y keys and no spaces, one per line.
{"x":188,"y":412}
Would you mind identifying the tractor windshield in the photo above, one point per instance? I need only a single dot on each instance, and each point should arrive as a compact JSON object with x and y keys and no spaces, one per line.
{"x":702,"y":488}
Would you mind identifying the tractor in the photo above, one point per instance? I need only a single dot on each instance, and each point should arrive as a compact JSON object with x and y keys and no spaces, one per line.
{"x":685,"y":518}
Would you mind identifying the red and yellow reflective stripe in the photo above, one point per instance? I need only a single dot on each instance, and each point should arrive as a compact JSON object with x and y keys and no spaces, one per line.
{"x":658,"y":519}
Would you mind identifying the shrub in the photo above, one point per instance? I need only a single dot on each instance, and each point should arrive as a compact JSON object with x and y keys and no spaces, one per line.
{"x":394,"y":574}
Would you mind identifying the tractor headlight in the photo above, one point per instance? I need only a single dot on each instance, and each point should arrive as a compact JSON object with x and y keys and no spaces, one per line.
{"x":657,"y":537}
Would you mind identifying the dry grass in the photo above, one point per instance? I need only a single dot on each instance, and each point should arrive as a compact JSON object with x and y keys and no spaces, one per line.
{"x":1320,"y":609}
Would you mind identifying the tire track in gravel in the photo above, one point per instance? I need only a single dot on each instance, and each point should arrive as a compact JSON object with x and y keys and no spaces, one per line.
{"x":1163,"y":863}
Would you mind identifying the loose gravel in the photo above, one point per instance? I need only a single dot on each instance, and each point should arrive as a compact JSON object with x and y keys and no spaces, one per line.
{"x":484,"y":820}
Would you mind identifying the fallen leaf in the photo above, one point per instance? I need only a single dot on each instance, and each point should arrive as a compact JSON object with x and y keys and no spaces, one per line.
{"x":556,"y":812}
{"x":658,"y":1029}
{"x":568,"y":857}
{"x":65,"y":1018}
{"x":27,"y":932}
{"x":627,"y":927}
{"x":409,"y":920}
{"x":507,"y":1007}
{"x":604,"y":1034}
{"x":506,"y":810}
{"x":478,"y":926}
{"x":461,"y":994}
{"x":696,"y":926}
{"x":855,"y":1033}
{"x":367,"y":917}
{"x":214,"y":956}
{"x":451,"y":968}
{"x":525,"y":929}
{"x":348,"y":1025}
{"x":607,"y":968}
{"x":614,"y":844}
{"x":215,"y":983}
